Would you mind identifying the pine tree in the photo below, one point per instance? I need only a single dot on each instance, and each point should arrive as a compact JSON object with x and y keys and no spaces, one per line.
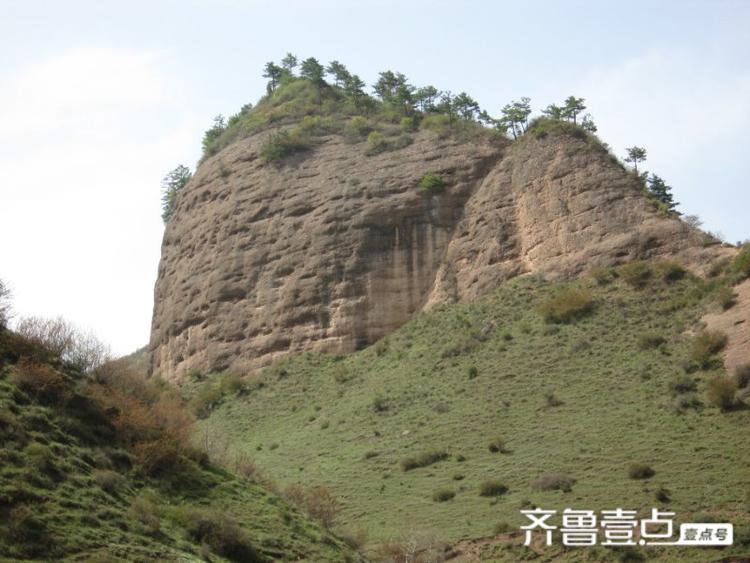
{"x":171,"y":185}
{"x":573,"y":106}
{"x":312,"y":70}
{"x":636,"y":155}
{"x":339,"y":73}
{"x":289,"y":63}
{"x":659,"y":189}
{"x":274,"y":73}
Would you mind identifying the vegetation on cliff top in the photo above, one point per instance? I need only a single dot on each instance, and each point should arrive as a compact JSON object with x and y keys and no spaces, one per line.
{"x":303,"y":107}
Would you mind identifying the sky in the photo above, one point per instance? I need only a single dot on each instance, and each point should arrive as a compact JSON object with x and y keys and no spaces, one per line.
{"x":100,"y":99}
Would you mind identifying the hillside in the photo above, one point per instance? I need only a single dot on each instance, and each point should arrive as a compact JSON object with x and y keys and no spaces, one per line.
{"x":73,"y":489}
{"x":623,"y":380}
{"x":310,"y":227}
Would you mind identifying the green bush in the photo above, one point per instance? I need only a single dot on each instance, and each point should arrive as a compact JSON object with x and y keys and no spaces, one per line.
{"x":357,"y":128}
{"x":423,"y":460}
{"x":650,"y":340}
{"x":682,"y":384}
{"x":492,"y":488}
{"x":432,"y":182}
{"x":640,"y":471}
{"x":443,"y":495}
{"x":637,"y":273}
{"x":568,"y":305}
{"x":721,"y":392}
{"x":221,"y":532}
{"x":726,"y":297}
{"x":437,"y":123}
{"x":671,"y":271}
{"x":472,"y":372}
{"x":376,"y":143}
{"x":379,"y":403}
{"x":407,"y":124}
{"x":741,"y":264}
{"x":553,"y":482}
{"x":282,"y":144}
{"x":41,"y":459}
{"x":110,"y":481}
{"x":497,"y":445}
{"x":686,"y":401}
{"x":704,"y":347}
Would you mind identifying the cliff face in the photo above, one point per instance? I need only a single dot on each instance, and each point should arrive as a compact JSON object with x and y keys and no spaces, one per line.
{"x":329,"y":251}
{"x":334,"y":249}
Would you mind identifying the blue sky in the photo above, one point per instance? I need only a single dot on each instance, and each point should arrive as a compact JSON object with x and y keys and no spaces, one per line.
{"x":98,"y":100}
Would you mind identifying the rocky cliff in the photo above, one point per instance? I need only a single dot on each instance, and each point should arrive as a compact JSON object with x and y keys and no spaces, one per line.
{"x":332,"y":249}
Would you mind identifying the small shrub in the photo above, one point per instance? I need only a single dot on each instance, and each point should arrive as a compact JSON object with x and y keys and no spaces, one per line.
{"x":554,"y":482}
{"x":602,"y":276}
{"x":110,"y":481}
{"x":322,"y":505}
{"x":438,"y":123}
{"x":498,"y":446}
{"x":492,"y":488}
{"x":357,"y":128}
{"x":443,"y":495}
{"x":671,"y":271}
{"x":721,"y":392}
{"x":41,"y":459}
{"x":662,"y":495}
{"x":283,"y":144}
{"x":640,"y":471}
{"x":740,"y":266}
{"x":636,"y":274}
{"x":650,"y":340}
{"x":686,"y":401}
{"x":705,"y":345}
{"x":567,"y":305}
{"x":502,"y":528}
{"x":221,"y":532}
{"x":42,"y":382}
{"x":144,"y":510}
{"x":376,"y":143}
{"x":742,"y":376}
{"x":407,"y":124}
{"x":726,"y":297}
{"x":551,"y":399}
{"x":472,"y":372}
{"x":682,"y":384}
{"x":432,"y":182}
{"x":28,"y":531}
{"x":370,"y":454}
{"x":423,"y":460}
{"x":458,"y":476}
{"x":379,"y":403}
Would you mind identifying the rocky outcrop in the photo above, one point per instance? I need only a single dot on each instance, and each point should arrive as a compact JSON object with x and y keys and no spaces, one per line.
{"x":334,"y":249}
{"x":560,"y":206}
{"x":329,"y":251}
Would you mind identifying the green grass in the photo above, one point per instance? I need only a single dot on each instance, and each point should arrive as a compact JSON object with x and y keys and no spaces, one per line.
{"x":67,"y":492}
{"x":613,"y":405}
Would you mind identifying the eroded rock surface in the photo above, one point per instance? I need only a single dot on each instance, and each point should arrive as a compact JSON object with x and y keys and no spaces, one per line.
{"x":334,"y":249}
{"x":329,"y":251}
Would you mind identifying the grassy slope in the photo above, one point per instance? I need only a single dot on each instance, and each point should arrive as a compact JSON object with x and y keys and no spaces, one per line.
{"x":616,"y":409}
{"x":52,"y":507}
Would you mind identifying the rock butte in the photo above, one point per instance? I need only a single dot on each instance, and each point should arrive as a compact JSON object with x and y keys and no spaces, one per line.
{"x":332,"y":249}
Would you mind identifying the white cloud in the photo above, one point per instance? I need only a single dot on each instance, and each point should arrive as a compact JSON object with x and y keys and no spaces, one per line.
{"x":86,"y":137}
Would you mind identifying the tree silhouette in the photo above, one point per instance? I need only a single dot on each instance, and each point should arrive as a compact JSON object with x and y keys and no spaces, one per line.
{"x":636,"y":155}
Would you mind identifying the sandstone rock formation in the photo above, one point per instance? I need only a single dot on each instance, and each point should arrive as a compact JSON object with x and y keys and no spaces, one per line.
{"x":333,"y":249}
